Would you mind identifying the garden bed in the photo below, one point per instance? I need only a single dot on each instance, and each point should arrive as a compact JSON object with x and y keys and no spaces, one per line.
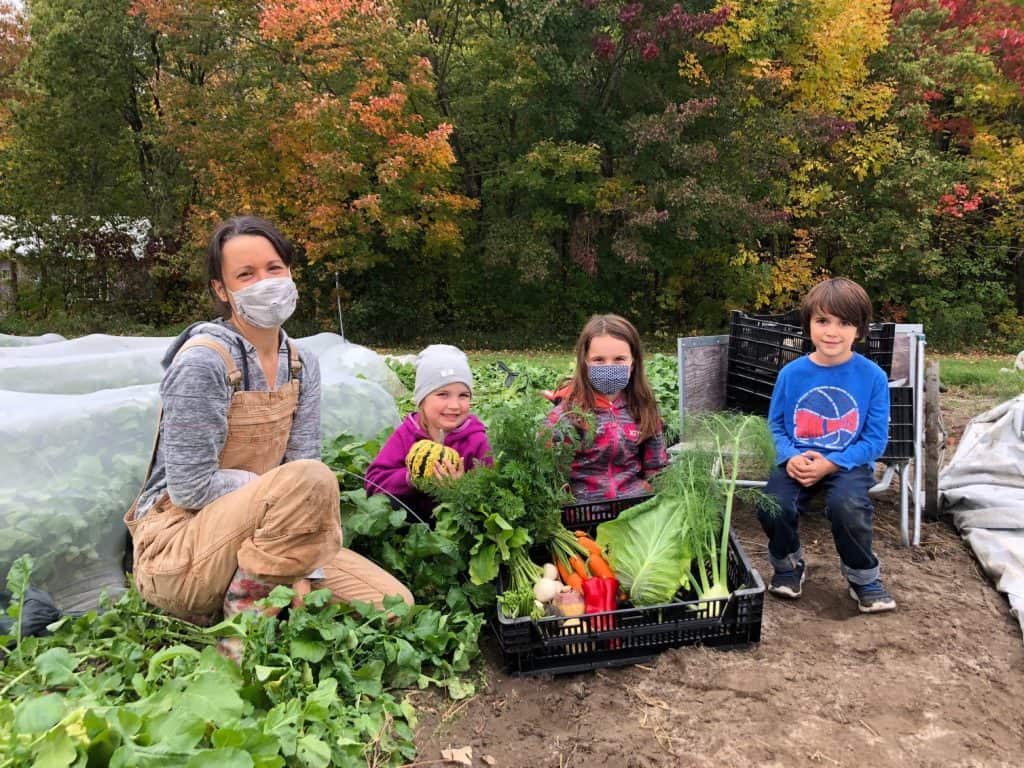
{"x":938,"y":682}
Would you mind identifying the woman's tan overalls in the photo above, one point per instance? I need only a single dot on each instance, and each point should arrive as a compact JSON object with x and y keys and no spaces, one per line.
{"x":278,"y":528}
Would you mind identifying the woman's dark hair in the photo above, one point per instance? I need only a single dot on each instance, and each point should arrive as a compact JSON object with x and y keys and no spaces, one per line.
{"x":232,"y":228}
{"x":841,"y":297}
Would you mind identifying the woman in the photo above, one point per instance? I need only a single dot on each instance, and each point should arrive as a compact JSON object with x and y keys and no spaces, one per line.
{"x":237,"y":499}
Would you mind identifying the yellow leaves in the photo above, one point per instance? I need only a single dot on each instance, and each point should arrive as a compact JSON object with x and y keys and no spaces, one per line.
{"x":997,"y":167}
{"x":789,"y":145}
{"x":832,"y":63}
{"x":744,"y":257}
{"x":766,"y":69}
{"x":870,"y":102}
{"x":748,"y":20}
{"x":997,"y":94}
{"x":610,"y":194}
{"x":806,"y":200}
{"x":690,"y":69}
{"x":791,"y":275}
{"x":806,"y":196}
{"x":869,"y":152}
{"x":443,"y":238}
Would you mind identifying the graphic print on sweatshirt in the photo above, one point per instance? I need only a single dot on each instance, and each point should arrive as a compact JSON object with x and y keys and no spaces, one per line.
{"x":827,"y":417}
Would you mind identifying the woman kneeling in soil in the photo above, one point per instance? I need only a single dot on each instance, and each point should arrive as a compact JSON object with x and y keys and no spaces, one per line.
{"x":237,"y":499}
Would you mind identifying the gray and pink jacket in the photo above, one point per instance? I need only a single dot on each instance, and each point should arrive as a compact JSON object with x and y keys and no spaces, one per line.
{"x":616,"y":464}
{"x":387,"y":472}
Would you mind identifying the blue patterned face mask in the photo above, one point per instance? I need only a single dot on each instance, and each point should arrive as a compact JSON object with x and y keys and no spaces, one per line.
{"x":608,"y":379}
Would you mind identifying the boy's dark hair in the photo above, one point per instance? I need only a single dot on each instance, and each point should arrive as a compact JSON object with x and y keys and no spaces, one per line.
{"x":232,"y":228}
{"x":841,"y":297}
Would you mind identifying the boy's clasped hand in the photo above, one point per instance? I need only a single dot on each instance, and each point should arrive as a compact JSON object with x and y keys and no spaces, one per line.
{"x":809,"y":467}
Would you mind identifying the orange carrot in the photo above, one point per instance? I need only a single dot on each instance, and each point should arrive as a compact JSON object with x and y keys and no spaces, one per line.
{"x":563,"y":569}
{"x":575,"y":581}
{"x":599,"y":566}
{"x":590,"y":545}
{"x":579,"y":566}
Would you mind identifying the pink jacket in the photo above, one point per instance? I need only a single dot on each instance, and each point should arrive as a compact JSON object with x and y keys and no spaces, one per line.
{"x":387,"y":472}
{"x":616,"y":463}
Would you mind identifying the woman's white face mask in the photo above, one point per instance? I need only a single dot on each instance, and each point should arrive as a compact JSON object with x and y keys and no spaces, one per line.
{"x":268,"y":303}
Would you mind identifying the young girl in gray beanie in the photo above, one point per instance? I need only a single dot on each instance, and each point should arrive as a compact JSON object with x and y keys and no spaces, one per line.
{"x":443,"y":394}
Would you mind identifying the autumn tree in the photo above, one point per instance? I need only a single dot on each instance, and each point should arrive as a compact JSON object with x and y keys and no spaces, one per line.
{"x":80,"y":163}
{"x":318,"y":115}
{"x":968,"y":94}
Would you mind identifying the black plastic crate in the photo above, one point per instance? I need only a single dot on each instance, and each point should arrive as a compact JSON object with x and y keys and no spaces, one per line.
{"x":901,"y":424}
{"x":879,"y":345}
{"x":559,"y":645}
{"x":589,"y":514}
{"x":759,"y":347}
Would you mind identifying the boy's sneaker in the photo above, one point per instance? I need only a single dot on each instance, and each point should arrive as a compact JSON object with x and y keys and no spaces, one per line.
{"x":872,"y":598}
{"x":789,"y":584}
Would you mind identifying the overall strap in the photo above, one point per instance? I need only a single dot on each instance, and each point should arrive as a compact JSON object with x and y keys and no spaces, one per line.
{"x":234,"y":377}
{"x":294,"y":363}
{"x":245,"y":363}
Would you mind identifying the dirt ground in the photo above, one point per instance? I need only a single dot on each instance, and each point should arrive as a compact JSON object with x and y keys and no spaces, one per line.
{"x":938,"y":682}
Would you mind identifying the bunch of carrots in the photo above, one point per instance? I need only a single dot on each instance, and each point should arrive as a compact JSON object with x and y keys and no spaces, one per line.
{"x":582,"y":565}
{"x":578,"y":558}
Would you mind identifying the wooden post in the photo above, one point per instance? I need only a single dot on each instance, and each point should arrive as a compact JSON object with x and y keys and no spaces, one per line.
{"x":934,"y":440}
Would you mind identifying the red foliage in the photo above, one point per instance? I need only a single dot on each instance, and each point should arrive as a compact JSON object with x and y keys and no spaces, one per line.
{"x":959,"y":203}
{"x":648,"y":33}
{"x":604,"y":47}
{"x":629,"y":15}
{"x":997,"y":26}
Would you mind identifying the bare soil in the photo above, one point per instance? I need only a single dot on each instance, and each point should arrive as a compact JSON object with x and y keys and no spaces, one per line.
{"x":938,"y":682}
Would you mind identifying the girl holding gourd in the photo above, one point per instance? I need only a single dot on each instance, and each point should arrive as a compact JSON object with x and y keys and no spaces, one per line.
{"x":442,"y":439}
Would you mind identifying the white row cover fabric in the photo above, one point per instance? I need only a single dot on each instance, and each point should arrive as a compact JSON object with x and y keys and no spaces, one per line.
{"x":92,"y":363}
{"x":73,"y":463}
{"x":93,"y":344}
{"x":7,"y":340}
{"x":983,"y":487}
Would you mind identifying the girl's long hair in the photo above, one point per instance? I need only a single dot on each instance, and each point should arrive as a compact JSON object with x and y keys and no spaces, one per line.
{"x":639,"y":397}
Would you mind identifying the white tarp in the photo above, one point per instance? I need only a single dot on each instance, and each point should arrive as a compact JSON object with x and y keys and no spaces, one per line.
{"x":351,"y":359}
{"x":96,"y":362}
{"x":93,"y":344}
{"x":73,"y":463}
{"x":7,"y":340}
{"x":983,"y":487}
{"x":80,"y":373}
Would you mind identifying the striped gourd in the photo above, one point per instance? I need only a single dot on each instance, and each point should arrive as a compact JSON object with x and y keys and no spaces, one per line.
{"x":424,"y":455}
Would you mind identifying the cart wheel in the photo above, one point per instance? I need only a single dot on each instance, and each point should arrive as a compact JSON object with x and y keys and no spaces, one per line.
{"x":934,"y":440}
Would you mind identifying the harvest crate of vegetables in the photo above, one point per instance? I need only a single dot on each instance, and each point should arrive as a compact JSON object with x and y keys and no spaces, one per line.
{"x":631,"y":633}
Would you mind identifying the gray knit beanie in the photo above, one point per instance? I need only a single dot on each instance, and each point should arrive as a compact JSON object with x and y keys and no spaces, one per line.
{"x":437,"y":365}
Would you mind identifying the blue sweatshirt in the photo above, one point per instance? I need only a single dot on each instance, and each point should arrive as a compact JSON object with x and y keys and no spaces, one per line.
{"x":841,"y":411}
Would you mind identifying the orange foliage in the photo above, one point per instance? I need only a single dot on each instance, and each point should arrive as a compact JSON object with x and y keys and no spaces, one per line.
{"x":305,"y":111}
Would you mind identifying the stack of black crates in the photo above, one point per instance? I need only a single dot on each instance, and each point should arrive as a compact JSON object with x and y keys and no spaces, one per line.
{"x":760,"y":345}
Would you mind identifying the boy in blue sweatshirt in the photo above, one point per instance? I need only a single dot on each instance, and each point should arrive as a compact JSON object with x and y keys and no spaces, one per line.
{"x":829,"y":417}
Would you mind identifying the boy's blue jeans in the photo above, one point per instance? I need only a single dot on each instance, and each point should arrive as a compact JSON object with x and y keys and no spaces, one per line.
{"x":847,"y":507}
